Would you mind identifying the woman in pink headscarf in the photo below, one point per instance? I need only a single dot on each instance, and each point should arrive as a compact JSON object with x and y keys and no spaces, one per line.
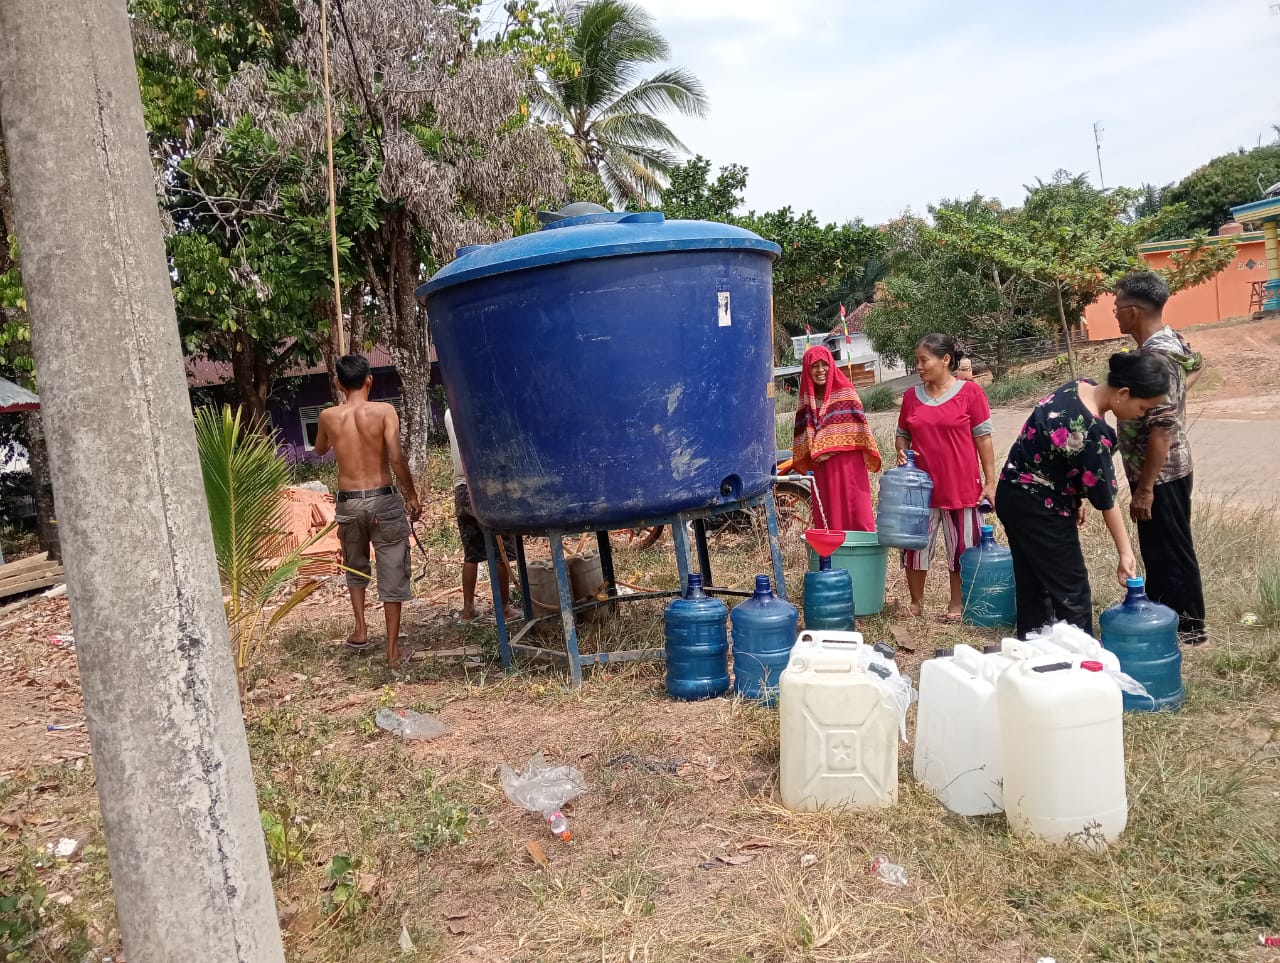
{"x":834,"y":441}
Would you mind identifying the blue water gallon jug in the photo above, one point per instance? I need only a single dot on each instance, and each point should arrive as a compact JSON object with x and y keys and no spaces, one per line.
{"x":1144,"y":636}
{"x":697,"y":644}
{"x":764,"y":629}
{"x":902,"y":516}
{"x":828,"y":598}
{"x":986,"y":583}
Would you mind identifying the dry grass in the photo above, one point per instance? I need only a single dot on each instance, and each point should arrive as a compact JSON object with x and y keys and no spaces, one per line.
{"x":681,"y":850}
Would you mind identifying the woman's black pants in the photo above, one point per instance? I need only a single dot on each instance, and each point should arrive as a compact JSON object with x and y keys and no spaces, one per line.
{"x":1051,"y":581}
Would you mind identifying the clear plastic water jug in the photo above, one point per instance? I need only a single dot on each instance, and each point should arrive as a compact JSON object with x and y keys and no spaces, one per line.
{"x":1144,"y":636}
{"x":1062,"y":750}
{"x":986,"y":583}
{"x":764,"y":630}
{"x":902,"y":515}
{"x":838,"y":728}
{"x":697,"y":642}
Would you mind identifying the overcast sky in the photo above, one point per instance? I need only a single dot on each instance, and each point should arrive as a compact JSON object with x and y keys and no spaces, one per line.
{"x":862,"y":108}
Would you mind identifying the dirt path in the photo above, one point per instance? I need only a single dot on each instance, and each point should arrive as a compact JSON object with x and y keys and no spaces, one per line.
{"x":1233,"y":415}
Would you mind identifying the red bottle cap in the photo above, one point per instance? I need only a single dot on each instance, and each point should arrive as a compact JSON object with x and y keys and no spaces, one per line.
{"x":1091,"y":665}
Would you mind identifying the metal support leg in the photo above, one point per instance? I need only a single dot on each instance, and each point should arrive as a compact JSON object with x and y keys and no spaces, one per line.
{"x":499,"y":610}
{"x":704,"y":557}
{"x":681,"y":537}
{"x":606,"y":562}
{"x":526,"y":600}
{"x":566,"y":606}
{"x":775,"y":546}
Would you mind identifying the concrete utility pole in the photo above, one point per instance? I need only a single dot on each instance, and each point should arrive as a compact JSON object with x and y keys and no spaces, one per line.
{"x":188,"y":863}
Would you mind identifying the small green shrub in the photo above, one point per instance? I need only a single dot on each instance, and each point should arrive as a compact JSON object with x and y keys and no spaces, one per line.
{"x":1269,"y":595}
{"x":879,"y":398}
{"x":1013,"y":389}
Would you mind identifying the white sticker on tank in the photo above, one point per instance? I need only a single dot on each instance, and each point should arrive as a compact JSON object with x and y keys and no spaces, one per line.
{"x":725,"y":315}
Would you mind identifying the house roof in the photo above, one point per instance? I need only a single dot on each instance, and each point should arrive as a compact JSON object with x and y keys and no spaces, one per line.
{"x":203,"y":373}
{"x":16,"y":398}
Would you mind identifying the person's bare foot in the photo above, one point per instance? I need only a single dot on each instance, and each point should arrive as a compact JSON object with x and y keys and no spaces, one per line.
{"x":511,"y":614}
{"x":467,"y":615}
{"x":915,"y":609}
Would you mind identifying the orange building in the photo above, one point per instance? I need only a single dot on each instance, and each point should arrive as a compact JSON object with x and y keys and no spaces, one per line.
{"x":1227,"y":295}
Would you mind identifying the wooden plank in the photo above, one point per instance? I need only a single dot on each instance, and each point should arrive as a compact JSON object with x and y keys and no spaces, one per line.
{"x":7,"y":590}
{"x":24,"y":565}
{"x":45,"y":571}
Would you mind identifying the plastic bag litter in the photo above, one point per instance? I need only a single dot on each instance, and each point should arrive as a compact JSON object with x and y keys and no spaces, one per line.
{"x":888,"y":872}
{"x":408,"y":724}
{"x":884,"y":670}
{"x":540,"y":788}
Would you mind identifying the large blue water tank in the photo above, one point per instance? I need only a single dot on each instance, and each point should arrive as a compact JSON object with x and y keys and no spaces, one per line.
{"x":608,"y":368}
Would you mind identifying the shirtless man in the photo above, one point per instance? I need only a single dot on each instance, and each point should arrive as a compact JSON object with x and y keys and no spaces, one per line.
{"x":365,"y":436}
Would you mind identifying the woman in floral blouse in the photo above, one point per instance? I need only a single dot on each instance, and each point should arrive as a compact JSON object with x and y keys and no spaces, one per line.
{"x":1061,"y":457}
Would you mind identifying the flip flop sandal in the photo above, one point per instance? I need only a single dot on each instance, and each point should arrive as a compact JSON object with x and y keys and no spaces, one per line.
{"x":360,"y":648}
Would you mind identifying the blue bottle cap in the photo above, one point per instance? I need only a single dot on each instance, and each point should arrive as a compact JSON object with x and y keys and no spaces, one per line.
{"x":988,"y":530}
{"x":1137,"y":582}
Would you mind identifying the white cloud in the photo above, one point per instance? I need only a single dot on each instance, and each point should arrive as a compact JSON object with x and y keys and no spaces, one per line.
{"x":865,"y":109}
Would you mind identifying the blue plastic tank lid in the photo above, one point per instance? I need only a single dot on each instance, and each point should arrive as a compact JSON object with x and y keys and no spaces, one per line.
{"x":987,"y":529}
{"x":592,"y":236}
{"x":1136,"y":582}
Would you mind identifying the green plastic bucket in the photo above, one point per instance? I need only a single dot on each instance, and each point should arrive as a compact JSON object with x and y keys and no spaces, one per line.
{"x":866,"y":561}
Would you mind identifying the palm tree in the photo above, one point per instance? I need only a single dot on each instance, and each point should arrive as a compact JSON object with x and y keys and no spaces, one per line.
{"x":608,"y":110}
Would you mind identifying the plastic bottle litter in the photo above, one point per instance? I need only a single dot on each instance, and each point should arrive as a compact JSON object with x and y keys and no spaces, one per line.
{"x":64,"y":727}
{"x":888,"y":872}
{"x":408,"y":724}
{"x":559,"y":825}
{"x":63,"y":640}
{"x":1264,"y":940}
{"x":540,"y":788}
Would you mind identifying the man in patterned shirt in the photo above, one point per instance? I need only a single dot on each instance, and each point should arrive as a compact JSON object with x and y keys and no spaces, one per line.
{"x":1157,"y":458}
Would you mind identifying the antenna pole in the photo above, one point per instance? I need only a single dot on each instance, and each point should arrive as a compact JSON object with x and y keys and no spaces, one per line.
{"x":1097,"y":144}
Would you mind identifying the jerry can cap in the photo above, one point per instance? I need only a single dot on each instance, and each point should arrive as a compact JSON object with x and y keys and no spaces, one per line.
{"x":1091,"y":665}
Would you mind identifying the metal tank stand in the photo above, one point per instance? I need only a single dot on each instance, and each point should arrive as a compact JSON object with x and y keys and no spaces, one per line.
{"x":511,"y":646}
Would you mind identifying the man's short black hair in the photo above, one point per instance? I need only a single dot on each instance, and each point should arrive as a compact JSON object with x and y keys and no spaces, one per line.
{"x":352,"y":370}
{"x":1145,"y":287}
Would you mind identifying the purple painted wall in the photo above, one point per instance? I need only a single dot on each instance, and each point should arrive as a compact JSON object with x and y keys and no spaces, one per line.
{"x":286,"y":404}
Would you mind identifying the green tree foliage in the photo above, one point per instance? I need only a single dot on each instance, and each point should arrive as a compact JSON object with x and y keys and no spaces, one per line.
{"x":692,"y":195}
{"x":819,"y":262}
{"x":608,"y":109}
{"x":433,"y":150}
{"x":933,"y":285}
{"x":246,"y":287}
{"x":1208,"y":193}
{"x":980,"y":273}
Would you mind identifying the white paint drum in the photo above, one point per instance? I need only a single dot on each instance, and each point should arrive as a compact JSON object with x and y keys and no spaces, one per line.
{"x":839,"y":729}
{"x":957,"y":752}
{"x":1062,"y":749}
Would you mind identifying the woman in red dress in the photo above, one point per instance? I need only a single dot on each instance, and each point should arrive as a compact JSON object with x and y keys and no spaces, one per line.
{"x":834,"y":441}
{"x":946,"y":421}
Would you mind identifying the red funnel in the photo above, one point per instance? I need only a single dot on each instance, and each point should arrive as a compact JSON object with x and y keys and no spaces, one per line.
{"x":824,"y":540}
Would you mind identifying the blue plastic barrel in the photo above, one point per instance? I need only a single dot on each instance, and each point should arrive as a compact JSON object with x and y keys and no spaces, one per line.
{"x":697,"y":644}
{"x":764,"y":630}
{"x":1144,"y":636}
{"x":902,"y":514}
{"x":986,"y":583}
{"x":828,"y":598}
{"x":608,"y":368}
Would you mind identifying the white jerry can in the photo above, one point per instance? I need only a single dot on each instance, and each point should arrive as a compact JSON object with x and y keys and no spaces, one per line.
{"x":839,"y":727}
{"x":957,"y":751}
{"x":1062,"y":750}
